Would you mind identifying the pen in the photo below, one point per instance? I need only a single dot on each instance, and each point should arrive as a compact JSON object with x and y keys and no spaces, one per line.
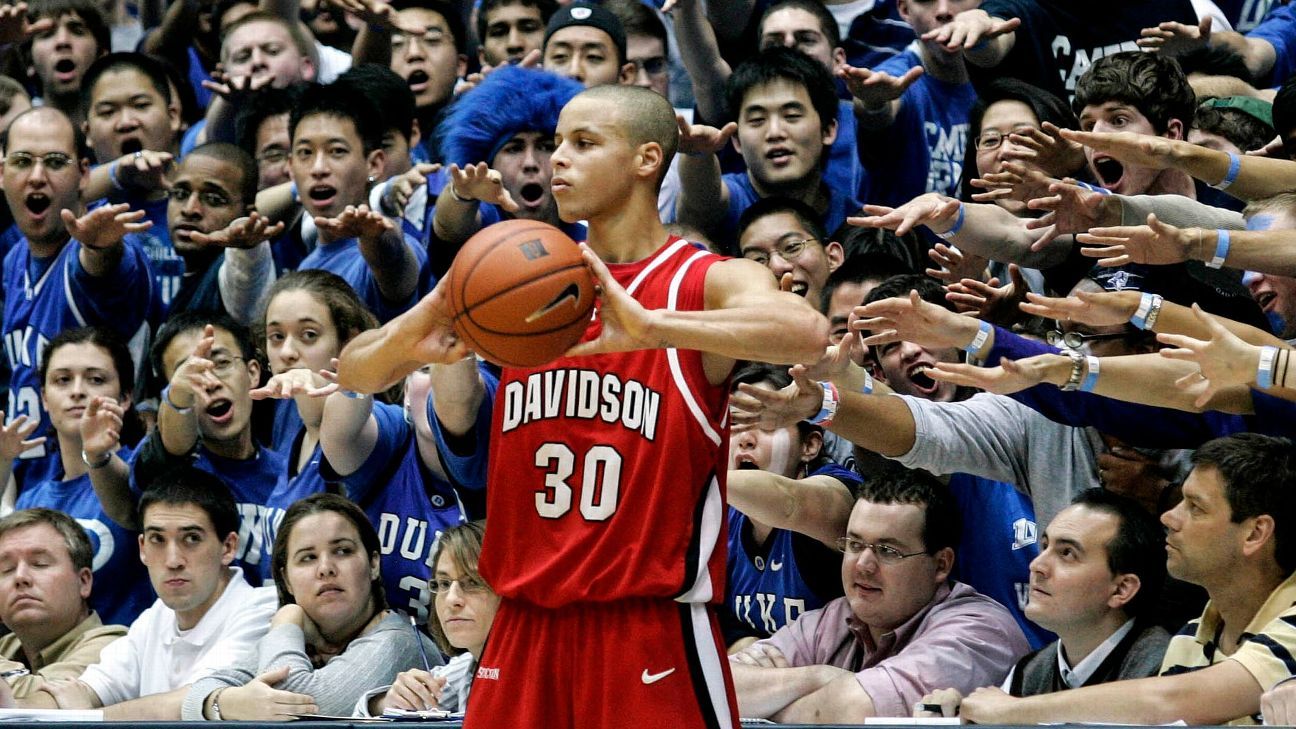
{"x":15,"y":673}
{"x":418,"y":639}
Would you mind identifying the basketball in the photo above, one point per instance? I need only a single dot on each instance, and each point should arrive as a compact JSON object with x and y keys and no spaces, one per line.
{"x":520,"y":294}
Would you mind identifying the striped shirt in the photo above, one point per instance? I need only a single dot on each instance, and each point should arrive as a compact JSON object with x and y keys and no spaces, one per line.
{"x":1264,"y":649}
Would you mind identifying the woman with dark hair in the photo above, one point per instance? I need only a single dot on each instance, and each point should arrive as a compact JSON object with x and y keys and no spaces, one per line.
{"x":465,"y":609}
{"x":86,"y":377}
{"x":332,"y":632}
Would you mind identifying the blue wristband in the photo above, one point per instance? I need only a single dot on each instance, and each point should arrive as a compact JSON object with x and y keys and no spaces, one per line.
{"x":1091,"y":376}
{"x":1230,"y":177}
{"x":983,"y":333}
{"x":1093,"y":188}
{"x":292,"y":186}
{"x":1264,"y":373}
{"x":868,"y":384}
{"x":112,"y":177}
{"x":958,"y":224}
{"x":1221,"y":249}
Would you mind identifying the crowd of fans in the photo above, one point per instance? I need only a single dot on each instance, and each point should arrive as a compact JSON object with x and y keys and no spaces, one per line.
{"x":1044,"y":472}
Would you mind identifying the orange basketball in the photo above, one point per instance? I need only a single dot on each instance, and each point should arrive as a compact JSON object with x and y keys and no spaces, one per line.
{"x":520,"y":294}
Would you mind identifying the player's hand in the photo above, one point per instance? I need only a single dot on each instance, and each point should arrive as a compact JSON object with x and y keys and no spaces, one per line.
{"x":480,"y":182}
{"x":1128,"y":148}
{"x":932,"y":209}
{"x":257,"y":701}
{"x":1070,"y":209}
{"x":414,"y":690}
{"x":401,"y":188}
{"x":1091,"y":308}
{"x":196,"y":375}
{"x":245,"y":232}
{"x":1176,"y":39}
{"x":1046,"y":149}
{"x":437,"y":341}
{"x":877,"y":88}
{"x":625,"y":325}
{"x":700,"y":139}
{"x":758,"y":407}
{"x":1009,"y":377}
{"x":101,"y":426}
{"x":947,"y":699}
{"x":911,"y":319}
{"x":288,"y":384}
{"x":1224,"y":359}
{"x":355,"y":221}
{"x":105,"y":227}
{"x":14,"y":27}
{"x":144,"y":170}
{"x":970,"y":29}
{"x":15,"y":436}
{"x":1156,"y":243}
{"x":762,"y":655}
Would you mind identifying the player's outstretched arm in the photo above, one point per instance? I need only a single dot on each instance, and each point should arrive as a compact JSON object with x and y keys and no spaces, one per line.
{"x":379,"y":357}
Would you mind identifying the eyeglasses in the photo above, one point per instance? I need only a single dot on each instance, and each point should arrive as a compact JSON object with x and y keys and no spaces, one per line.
{"x":654,"y":66}
{"x":223,"y":364}
{"x":272,"y":156}
{"x":181,"y":194}
{"x":1076,"y":340}
{"x":468,"y":584}
{"x":788,"y":250}
{"x":53,"y":161}
{"x":884,"y":553}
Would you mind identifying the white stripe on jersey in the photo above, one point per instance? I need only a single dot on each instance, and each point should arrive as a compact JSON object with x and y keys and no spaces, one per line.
{"x":672,"y":357}
{"x":709,"y":659}
{"x":634,"y":285}
{"x":708,"y":530}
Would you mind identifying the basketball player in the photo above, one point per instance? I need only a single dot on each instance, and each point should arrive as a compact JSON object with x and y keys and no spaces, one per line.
{"x":606,"y":500}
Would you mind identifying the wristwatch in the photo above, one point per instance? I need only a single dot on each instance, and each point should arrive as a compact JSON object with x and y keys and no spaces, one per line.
{"x":1077,"y":370}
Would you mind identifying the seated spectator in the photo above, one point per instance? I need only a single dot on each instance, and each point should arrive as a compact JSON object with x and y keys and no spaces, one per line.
{"x":45,"y":587}
{"x":781,"y":561}
{"x":333,"y":632}
{"x":1095,"y":584}
{"x":902,"y":630}
{"x":465,"y":609}
{"x":206,"y":617}
{"x":785,"y":235}
{"x":1231,"y":535}
{"x":87,"y":375}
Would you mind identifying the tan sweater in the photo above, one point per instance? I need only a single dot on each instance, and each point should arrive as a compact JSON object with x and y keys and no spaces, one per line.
{"x":66,"y":657}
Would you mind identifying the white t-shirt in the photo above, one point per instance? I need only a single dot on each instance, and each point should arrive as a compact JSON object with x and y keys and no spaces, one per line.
{"x":156,"y":656}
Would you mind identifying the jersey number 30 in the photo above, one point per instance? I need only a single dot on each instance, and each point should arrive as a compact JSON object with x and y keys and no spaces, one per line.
{"x":600,"y":484}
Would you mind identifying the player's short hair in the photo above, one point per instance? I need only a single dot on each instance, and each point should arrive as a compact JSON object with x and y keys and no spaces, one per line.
{"x":304,"y":43}
{"x":644,"y":115}
{"x":185,"y":485}
{"x":320,"y":504}
{"x":1259,"y":477}
{"x":546,"y":8}
{"x":777,"y":204}
{"x":388,"y":93}
{"x":342,"y":103}
{"x":448,"y":12}
{"x":143,"y":64}
{"x":784,"y":64}
{"x":101,"y":337}
{"x":88,"y":11}
{"x":80,"y":551}
{"x":349,"y":314}
{"x":239,"y":158}
{"x":827,"y":23}
{"x":1153,"y":83}
{"x":895,"y":484}
{"x":188,"y":321}
{"x":462,"y":543}
{"x":1137,"y":548}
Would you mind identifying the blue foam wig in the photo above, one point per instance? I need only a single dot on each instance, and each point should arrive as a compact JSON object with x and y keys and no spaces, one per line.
{"x":509,"y":101}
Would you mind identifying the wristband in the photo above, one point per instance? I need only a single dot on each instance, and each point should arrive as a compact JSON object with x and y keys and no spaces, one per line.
{"x":868,"y":384}
{"x":1077,"y":370}
{"x":166,"y":398}
{"x":1230,"y":177}
{"x":215,"y":704}
{"x":348,"y":394}
{"x":1093,"y":188}
{"x":1091,"y":375}
{"x":1221,"y":249}
{"x":983,"y":333}
{"x":292,"y":188}
{"x":1264,"y":373}
{"x":1148,"y":309}
{"x":826,"y":413}
{"x":958,"y":224}
{"x":112,"y":177}
{"x":100,"y":464}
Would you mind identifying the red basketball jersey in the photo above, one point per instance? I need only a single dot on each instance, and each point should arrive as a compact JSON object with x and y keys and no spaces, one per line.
{"x":607,"y":472}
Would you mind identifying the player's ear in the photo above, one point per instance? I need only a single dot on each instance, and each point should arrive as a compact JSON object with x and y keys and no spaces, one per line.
{"x":650,"y":158}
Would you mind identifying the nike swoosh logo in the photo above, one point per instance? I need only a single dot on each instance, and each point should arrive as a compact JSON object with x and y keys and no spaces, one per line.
{"x":571,"y":292}
{"x":651,"y":678}
{"x":776,"y":566}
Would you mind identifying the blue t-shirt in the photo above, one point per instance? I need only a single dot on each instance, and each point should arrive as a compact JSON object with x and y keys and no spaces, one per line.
{"x":343,"y":258}
{"x":742,"y":196}
{"x":291,"y":486}
{"x":770,"y":585}
{"x":999,"y":541}
{"x":167,"y":265}
{"x":198,"y":74}
{"x":1279,"y":29}
{"x":924,"y":148}
{"x":121,"y":588}
{"x":46,"y":297}
{"x":1244,"y":15}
